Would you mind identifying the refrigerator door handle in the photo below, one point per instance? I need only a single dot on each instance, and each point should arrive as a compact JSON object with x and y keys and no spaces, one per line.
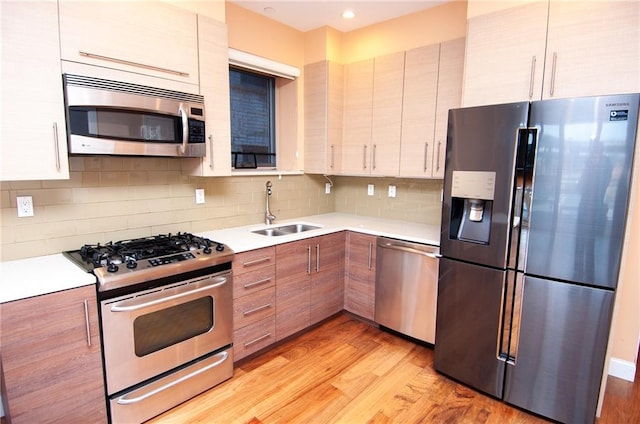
{"x":511,"y":318}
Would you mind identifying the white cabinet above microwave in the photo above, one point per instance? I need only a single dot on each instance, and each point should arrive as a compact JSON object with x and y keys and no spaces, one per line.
{"x":149,"y":38}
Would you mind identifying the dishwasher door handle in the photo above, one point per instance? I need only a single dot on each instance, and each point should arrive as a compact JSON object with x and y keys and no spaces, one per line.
{"x":409,"y":250}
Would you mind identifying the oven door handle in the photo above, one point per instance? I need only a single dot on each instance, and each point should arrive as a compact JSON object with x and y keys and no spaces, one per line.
{"x":122,"y":400}
{"x":133,"y":305}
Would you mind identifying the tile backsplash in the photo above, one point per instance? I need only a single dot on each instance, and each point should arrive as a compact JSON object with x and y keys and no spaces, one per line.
{"x":115,"y":198}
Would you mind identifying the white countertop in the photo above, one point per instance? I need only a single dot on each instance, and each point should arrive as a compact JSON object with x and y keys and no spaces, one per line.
{"x":241,"y":239}
{"x":30,"y":277}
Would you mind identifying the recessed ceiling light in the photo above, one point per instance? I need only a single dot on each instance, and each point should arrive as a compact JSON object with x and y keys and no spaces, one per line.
{"x":269,"y":10}
{"x":348,"y":14}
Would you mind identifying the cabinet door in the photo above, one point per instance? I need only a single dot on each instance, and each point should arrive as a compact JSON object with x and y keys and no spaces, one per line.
{"x":505,"y":55}
{"x":327,"y":276}
{"x":293,"y":286}
{"x":359,"y":296}
{"x":33,"y":138}
{"x":387,"y":114}
{"x":356,"y":140}
{"x":316,"y":109}
{"x":214,"y":86}
{"x":451,"y":67}
{"x":152,"y":38}
{"x":592,"y":49}
{"x":51,"y":358}
{"x":419,"y":111}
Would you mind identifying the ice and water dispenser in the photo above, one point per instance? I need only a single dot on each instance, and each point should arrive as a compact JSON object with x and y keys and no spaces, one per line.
{"x":472,"y":195}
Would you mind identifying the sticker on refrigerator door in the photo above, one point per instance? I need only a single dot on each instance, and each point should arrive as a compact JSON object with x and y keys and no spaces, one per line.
{"x":473,"y":184}
{"x":618,"y":115}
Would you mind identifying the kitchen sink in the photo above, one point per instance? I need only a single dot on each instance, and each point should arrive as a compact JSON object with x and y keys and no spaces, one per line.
{"x":285,"y":230}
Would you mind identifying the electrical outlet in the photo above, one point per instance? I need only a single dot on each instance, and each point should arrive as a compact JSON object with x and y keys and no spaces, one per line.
{"x":199,"y":196}
{"x":327,"y":188}
{"x":392,"y":191}
{"x":25,"y":206}
{"x":370,"y":189}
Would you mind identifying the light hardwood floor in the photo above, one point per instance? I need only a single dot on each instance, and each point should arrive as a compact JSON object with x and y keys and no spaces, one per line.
{"x":347,"y":371}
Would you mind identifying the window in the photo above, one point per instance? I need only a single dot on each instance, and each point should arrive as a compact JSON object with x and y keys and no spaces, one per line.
{"x":253,"y":141}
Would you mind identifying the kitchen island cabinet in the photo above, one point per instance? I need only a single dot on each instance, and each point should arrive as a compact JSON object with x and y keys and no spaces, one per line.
{"x":359,"y":291}
{"x":51,"y":358}
{"x":553,"y":49}
{"x":33,"y":137}
{"x":254,"y":302}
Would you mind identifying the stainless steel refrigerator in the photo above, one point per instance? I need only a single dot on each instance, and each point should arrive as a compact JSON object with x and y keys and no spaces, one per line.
{"x":533,"y":220}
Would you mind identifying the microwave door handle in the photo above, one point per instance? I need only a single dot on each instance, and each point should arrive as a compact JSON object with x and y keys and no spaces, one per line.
{"x":185,"y":128}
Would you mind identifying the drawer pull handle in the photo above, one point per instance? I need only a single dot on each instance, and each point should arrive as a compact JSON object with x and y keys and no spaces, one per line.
{"x":257,"y":283}
{"x":259,"y":339}
{"x":258,"y":309}
{"x":257,"y":261}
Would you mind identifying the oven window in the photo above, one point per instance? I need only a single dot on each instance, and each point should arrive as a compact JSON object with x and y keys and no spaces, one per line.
{"x":166,"y":327}
{"x":132,"y":125}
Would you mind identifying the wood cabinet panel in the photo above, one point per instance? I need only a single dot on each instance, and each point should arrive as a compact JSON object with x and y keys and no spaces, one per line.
{"x":359,"y":296}
{"x":293,"y":287}
{"x":31,"y":149}
{"x":254,"y":307}
{"x":358,"y":115}
{"x":254,"y":337}
{"x":50,"y":371}
{"x":253,"y":281}
{"x":253,"y":259}
{"x":327,"y":282}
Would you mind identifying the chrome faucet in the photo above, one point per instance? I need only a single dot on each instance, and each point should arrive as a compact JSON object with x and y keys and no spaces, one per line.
{"x":269,"y":217}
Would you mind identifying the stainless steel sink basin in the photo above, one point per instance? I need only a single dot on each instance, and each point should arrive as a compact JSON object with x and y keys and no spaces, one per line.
{"x":285,"y":230}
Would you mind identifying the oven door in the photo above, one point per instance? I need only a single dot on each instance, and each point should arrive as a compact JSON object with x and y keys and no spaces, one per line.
{"x":149,"y":333}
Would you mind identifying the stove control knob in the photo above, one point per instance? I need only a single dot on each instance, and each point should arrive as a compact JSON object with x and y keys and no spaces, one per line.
{"x":132,"y":264}
{"x":219,"y":247}
{"x":112,"y":267}
{"x":207,"y":249}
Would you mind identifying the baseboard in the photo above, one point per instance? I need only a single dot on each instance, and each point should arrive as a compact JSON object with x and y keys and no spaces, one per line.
{"x":622,"y":369}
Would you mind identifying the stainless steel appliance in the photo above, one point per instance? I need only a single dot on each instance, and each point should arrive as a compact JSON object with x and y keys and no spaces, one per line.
{"x":166,"y":319}
{"x":118,"y":118}
{"x":406,"y":288}
{"x":533,"y":221}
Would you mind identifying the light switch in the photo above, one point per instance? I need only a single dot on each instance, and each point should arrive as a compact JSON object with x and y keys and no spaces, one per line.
{"x":392,"y":191}
{"x":370,"y":190}
{"x":199,"y":196}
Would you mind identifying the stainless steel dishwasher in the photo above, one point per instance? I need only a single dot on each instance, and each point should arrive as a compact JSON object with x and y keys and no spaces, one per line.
{"x":407,"y":287}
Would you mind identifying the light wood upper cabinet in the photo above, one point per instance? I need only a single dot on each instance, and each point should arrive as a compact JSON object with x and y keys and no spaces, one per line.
{"x":419,"y":111}
{"x":358,"y":109}
{"x":151,"y":38}
{"x":323,"y":108}
{"x":588,"y":52}
{"x":51,"y":358}
{"x":214,"y":86}
{"x":33,"y":142}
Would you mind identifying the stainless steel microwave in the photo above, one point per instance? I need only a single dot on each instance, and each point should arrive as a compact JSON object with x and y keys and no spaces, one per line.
{"x":117,"y":118}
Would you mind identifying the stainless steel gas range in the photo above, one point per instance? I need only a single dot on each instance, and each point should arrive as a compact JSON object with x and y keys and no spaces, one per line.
{"x":166,"y":319}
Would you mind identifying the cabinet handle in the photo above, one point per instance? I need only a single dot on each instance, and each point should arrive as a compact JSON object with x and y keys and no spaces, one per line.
{"x":553,"y":74}
{"x":426,"y":148}
{"x":86,"y":321}
{"x":308,"y":260}
{"x":373,"y":160}
{"x":185,"y":128}
{"x":56,"y":146}
{"x":129,"y":63}
{"x":364,"y":157}
{"x":257,"y":261}
{"x":258,"y":309}
{"x":532,"y":76}
{"x":332,"y":155}
{"x":211,"y":151}
{"x":370,"y":254}
{"x":257,"y":283}
{"x":438,"y":156}
{"x":318,"y":257}
{"x":259,"y":339}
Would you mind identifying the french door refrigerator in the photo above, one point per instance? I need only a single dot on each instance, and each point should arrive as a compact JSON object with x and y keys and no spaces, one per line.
{"x":533,"y":220}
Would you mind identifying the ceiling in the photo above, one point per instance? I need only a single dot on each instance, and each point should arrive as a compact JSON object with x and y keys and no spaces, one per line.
{"x":305,"y":15}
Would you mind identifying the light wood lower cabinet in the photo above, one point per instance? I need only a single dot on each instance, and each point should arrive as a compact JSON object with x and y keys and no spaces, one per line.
{"x":51,"y":360}
{"x":253,"y":301}
{"x":359,"y":291}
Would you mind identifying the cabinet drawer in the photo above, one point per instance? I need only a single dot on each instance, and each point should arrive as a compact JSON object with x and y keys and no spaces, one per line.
{"x":253,"y":281}
{"x":253,"y":307}
{"x":254,"y":337}
{"x":253,"y":259}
